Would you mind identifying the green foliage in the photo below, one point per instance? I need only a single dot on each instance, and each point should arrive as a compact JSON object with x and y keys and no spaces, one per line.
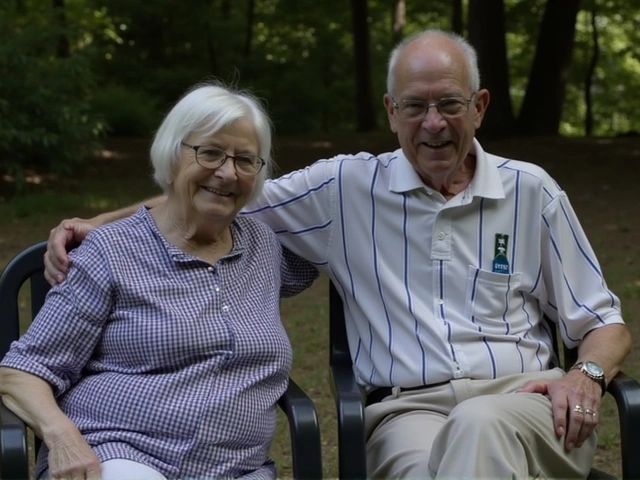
{"x":126,"y":111}
{"x":617,"y":75}
{"x":45,"y":120}
{"x":307,"y":58}
{"x":131,"y":60}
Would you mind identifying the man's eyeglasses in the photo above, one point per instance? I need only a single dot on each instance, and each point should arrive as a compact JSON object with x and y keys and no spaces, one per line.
{"x":213,"y":157}
{"x":412,"y":109}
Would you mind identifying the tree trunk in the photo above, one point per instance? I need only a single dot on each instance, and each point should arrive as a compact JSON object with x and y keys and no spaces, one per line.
{"x":63,"y":49}
{"x":456,"y":17}
{"x":542,"y":105}
{"x":212,"y":56}
{"x":486,"y":26}
{"x":398,"y":19}
{"x":365,"y":111}
{"x":588,"y":83}
{"x":248,"y":41}
{"x":225,"y":9}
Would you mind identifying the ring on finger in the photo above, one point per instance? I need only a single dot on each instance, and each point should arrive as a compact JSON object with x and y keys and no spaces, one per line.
{"x":579,"y":409}
{"x":588,"y":411}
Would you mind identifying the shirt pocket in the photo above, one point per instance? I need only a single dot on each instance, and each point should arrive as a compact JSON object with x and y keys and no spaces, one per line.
{"x":492,"y":301}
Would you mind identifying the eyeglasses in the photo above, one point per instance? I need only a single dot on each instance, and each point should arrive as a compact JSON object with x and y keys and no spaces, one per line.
{"x":213,"y":157}
{"x":412,"y":109}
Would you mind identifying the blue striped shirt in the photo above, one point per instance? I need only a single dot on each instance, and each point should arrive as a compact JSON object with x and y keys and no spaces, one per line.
{"x":161,"y":358}
{"x":435,"y":289}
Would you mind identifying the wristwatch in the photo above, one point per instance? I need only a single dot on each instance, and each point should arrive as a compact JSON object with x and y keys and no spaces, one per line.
{"x":594,"y":372}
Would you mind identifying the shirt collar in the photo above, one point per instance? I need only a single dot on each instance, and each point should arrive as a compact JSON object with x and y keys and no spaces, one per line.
{"x":404,"y":177}
{"x":486,"y":181}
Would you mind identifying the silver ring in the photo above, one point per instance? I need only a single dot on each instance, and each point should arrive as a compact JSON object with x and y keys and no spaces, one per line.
{"x":579,"y":409}
{"x":588,"y":411}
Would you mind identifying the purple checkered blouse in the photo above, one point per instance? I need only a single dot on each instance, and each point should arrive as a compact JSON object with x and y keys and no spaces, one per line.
{"x":161,"y":358}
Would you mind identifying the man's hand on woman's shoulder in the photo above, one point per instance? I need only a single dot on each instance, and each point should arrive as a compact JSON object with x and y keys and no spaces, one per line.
{"x":71,"y":232}
{"x":62,"y":239}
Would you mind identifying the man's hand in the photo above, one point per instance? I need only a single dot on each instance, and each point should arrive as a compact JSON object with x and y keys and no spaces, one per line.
{"x":575,"y":401}
{"x":61,"y":239}
{"x":70,"y":457}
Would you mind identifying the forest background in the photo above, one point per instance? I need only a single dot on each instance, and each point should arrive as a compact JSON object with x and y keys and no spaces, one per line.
{"x":84,"y":83}
{"x":74,"y":72}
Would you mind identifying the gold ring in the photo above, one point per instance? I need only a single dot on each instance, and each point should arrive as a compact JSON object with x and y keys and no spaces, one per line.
{"x":579,"y":409}
{"x":588,"y":411}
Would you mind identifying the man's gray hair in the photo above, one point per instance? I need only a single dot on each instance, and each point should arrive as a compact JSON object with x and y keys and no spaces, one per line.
{"x":469,"y":53}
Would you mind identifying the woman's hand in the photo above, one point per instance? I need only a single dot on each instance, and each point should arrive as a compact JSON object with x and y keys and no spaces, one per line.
{"x":71,"y":457}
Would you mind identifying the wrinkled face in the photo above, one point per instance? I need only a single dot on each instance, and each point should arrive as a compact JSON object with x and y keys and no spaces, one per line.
{"x":429,"y":70}
{"x":215,"y":193}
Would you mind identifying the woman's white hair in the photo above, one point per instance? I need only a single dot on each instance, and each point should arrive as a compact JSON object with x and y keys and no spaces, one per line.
{"x":206,"y":109}
{"x":467,"y":49}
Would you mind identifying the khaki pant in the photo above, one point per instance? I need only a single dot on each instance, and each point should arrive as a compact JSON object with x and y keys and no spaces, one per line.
{"x":471,"y":429}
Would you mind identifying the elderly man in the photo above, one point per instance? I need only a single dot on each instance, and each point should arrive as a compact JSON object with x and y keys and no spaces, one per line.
{"x":447,"y":258}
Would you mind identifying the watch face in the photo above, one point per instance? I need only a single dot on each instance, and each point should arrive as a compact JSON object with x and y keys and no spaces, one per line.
{"x":593,"y":369}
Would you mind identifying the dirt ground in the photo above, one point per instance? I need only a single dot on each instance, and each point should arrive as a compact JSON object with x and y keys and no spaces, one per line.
{"x":600,"y":176}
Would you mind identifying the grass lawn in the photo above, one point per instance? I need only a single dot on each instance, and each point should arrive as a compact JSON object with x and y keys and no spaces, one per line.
{"x":600,"y":176}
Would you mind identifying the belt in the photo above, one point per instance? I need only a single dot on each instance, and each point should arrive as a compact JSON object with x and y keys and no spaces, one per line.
{"x":382,"y":392}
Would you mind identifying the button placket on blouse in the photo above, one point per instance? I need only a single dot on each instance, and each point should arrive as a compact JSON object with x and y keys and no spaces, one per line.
{"x":216,"y":286}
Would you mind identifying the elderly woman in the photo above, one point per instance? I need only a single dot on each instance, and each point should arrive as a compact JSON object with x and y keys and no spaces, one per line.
{"x":162,"y":355}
